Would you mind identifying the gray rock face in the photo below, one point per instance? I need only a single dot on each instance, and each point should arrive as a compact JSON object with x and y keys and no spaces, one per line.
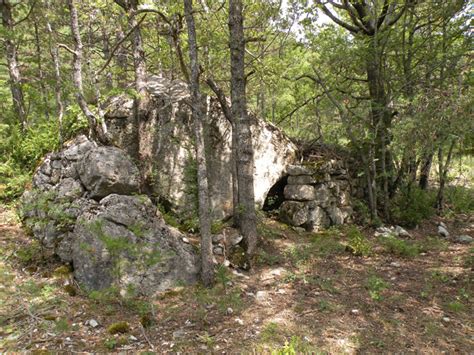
{"x":126,"y":245}
{"x":294,"y":213}
{"x":107,"y":170}
{"x":120,"y":241}
{"x":316,"y":197}
{"x":300,"y":192}
{"x":164,"y":145}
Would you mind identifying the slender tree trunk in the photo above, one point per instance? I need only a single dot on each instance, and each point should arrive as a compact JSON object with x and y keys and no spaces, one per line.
{"x":245,"y":160}
{"x":106,"y":52}
{"x":228,"y":114}
{"x":425,"y":169}
{"x":44,"y":92}
{"x":13,"y":67}
{"x":54,"y":51}
{"x":198,"y":118}
{"x":443,"y":168}
{"x":121,"y":60}
{"x":94,"y":130}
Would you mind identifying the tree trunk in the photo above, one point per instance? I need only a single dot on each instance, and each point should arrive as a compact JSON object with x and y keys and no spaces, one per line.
{"x":121,"y":60}
{"x":207,"y":271}
{"x":54,"y":51}
{"x":426,"y":162}
{"x":12,"y":62}
{"x":94,"y":130}
{"x":443,"y":168}
{"x":245,"y":160}
{"x":44,"y":92}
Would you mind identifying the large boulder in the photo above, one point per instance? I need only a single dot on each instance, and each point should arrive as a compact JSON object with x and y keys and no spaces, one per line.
{"x":116,"y":241}
{"x":166,"y":152}
{"x":107,"y":170}
{"x":126,"y":245}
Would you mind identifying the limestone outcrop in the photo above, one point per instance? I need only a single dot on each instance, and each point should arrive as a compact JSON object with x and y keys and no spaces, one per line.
{"x":162,"y":143}
{"x":85,"y":208}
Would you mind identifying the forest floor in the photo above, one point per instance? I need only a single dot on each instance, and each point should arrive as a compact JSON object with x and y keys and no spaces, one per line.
{"x":308,"y":294}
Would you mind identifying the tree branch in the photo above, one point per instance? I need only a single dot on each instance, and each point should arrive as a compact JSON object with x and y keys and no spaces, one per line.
{"x":338,"y":21}
{"x":117,"y":45}
{"x":27,"y":15}
{"x":72,"y":51}
{"x":221,"y":98}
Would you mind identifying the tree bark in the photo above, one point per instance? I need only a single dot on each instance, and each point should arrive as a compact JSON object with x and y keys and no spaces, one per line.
{"x":138,"y":53}
{"x":207,"y":272}
{"x":245,"y":159}
{"x":54,"y":51}
{"x":13,"y":67}
{"x":44,"y":92}
{"x":95,"y":131}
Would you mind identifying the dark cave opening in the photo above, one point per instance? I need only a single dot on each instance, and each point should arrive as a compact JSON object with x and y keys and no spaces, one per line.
{"x":275,"y":196}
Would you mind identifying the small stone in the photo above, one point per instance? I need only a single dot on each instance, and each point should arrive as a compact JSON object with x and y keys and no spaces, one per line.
{"x":296,"y":170}
{"x":236,"y":239}
{"x":218,"y":250}
{"x":442,"y":231}
{"x":463,"y":239}
{"x":442,"y":225}
{"x":132,"y":338}
{"x":261,"y":296}
{"x":446,"y":319}
{"x":217,"y":238}
{"x":355,"y":312}
{"x":179,"y":334}
{"x":299,"y":229}
{"x":395,"y":264}
{"x":402,"y":232}
{"x":239,"y":321}
{"x":185,"y":240}
{"x":93,"y":323}
{"x":229,"y":311}
{"x":226,"y":263}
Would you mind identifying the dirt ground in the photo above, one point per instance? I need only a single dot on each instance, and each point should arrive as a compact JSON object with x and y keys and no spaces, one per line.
{"x":309,"y":293}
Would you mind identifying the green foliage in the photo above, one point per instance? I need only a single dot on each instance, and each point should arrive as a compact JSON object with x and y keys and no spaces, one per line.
{"x":459,"y":199}
{"x":118,"y":328}
{"x":456,"y":306}
{"x":376,"y":285}
{"x":357,"y":242}
{"x":413,"y":205}
{"x":400,"y":247}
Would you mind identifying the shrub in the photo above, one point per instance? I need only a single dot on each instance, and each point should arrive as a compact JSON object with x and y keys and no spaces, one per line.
{"x":412,"y":206}
{"x":358,"y":244}
{"x":375,"y":285}
{"x":400,"y":247}
{"x":459,"y":199}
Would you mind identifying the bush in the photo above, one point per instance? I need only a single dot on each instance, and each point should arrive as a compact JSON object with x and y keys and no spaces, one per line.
{"x":358,"y":244}
{"x":412,"y":206}
{"x":400,"y":247}
{"x":459,"y":199}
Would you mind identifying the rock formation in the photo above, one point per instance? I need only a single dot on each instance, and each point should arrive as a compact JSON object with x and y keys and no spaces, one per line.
{"x":85,"y":208}
{"x":317,"y":195}
{"x":162,"y":143}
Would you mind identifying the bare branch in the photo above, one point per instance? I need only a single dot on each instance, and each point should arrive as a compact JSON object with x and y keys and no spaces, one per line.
{"x":72,"y":51}
{"x":27,"y":15}
{"x":221,"y":98}
{"x":338,"y":21}
{"x":117,"y":45}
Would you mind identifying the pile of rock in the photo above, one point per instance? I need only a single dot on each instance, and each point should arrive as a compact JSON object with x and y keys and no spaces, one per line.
{"x":85,"y":208}
{"x":317,"y":196}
